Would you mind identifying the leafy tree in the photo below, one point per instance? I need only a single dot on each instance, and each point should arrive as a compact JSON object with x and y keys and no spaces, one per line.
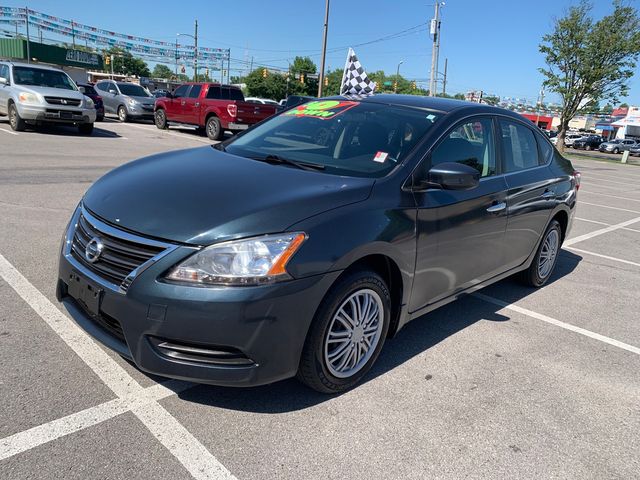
{"x":589,"y":60}
{"x":126,"y":64}
{"x":607,"y":109}
{"x":162,"y":71}
{"x":624,"y":105}
{"x":272,"y":86}
{"x":491,"y":100}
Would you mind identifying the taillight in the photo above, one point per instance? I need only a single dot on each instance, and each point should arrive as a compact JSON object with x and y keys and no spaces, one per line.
{"x":576,"y":177}
{"x":232,"y":109}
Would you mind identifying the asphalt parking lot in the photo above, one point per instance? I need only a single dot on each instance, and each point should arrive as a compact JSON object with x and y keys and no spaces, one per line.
{"x":508,"y":383}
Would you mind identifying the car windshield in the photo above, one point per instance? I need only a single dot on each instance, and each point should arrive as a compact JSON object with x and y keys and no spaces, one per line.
{"x":39,"y":77}
{"x":345,"y":137}
{"x":133,"y":90}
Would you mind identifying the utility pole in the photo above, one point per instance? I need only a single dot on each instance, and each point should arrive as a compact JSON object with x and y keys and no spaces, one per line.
{"x":73,"y":34}
{"x":435,"y":49}
{"x":324,"y":49}
{"x":176,"y":57}
{"x":40,"y":33}
{"x":111,"y":62}
{"x":395,"y":85}
{"x":28,"y":38}
{"x":251,"y":67}
{"x":195,"y":63}
{"x":444,"y":78}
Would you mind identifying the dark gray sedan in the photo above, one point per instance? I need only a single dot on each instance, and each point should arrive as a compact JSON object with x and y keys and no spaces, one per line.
{"x":298,"y":247}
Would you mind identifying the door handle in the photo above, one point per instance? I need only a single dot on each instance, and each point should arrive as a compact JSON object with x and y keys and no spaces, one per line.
{"x":548,"y":194}
{"x":497,"y":207}
{"x":182,"y":102}
{"x":197,"y":104}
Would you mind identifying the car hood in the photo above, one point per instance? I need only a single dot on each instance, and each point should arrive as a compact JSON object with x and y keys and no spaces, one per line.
{"x":52,"y":92}
{"x":201,"y":196}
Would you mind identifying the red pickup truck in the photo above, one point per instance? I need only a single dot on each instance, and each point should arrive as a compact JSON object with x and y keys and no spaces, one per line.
{"x":211,"y":107}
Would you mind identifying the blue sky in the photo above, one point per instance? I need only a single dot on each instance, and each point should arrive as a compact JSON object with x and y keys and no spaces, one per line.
{"x":491,"y":45}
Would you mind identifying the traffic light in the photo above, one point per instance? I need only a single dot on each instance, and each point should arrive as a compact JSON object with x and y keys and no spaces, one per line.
{"x":413,"y":85}
{"x":326,"y":81}
{"x":264,"y":73}
{"x":395,"y":86}
{"x":183,"y":70}
{"x":206,"y":72}
{"x":302,"y":78}
{"x":107,"y":60}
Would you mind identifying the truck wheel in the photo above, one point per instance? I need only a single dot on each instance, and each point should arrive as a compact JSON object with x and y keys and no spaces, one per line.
{"x":17,"y":123}
{"x":214,"y":129}
{"x":123,"y":116}
{"x":161,"y":119}
{"x":85,"y":128}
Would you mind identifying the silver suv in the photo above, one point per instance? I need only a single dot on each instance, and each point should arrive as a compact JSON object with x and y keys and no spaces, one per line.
{"x":36,"y":94}
{"x":127,"y":100}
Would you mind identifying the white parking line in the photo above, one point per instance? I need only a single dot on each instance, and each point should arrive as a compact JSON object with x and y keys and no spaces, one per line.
{"x":588,"y":192}
{"x":8,"y":131}
{"x":615,"y":259}
{"x":558,"y":323}
{"x":595,"y":179}
{"x":165,"y":132}
{"x":607,"y":206}
{"x":601,"y":231}
{"x":163,"y":425}
{"x":605,"y":224}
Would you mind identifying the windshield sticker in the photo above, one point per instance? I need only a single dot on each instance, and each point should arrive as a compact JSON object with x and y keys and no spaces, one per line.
{"x":381,"y":157}
{"x":323,"y":109}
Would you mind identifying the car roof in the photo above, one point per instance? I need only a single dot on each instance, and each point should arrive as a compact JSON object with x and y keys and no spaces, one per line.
{"x":439,"y":104}
{"x":33,"y":65}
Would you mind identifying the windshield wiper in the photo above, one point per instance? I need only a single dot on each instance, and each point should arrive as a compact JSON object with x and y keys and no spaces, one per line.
{"x":287,"y":161}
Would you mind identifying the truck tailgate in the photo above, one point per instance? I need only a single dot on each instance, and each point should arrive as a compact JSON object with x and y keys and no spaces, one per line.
{"x":250,"y":113}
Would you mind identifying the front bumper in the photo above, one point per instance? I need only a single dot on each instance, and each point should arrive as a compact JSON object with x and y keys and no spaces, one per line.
{"x":263,"y":326}
{"x":137,"y":111}
{"x":56,"y":114}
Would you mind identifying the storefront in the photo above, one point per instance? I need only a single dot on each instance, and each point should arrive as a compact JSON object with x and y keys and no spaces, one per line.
{"x":629,"y":126}
{"x":75,"y":62}
{"x":543,"y":121}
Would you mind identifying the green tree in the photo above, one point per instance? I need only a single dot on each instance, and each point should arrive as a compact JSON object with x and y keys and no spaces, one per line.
{"x":624,"y":105}
{"x":162,"y":71}
{"x":589,"y":60}
{"x":273,"y":85}
{"x":607,"y":109}
{"x":126,"y":64}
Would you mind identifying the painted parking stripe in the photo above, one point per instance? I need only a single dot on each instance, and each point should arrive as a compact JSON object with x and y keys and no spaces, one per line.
{"x":601,"y":231}
{"x":627,"y":229}
{"x":558,"y":323}
{"x":589,"y":192}
{"x":204,"y":466}
{"x":607,"y":257}
{"x":607,"y":206}
{"x":588,"y":178}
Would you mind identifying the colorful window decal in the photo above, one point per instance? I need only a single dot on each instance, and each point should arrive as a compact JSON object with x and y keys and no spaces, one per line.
{"x":322,"y":109}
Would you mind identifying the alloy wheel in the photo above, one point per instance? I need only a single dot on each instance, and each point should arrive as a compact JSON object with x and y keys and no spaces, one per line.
{"x":548,"y":254}
{"x":354,"y":333}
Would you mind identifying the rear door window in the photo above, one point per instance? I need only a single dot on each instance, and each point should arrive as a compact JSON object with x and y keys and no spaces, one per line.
{"x":195,"y":91}
{"x":214,"y":92}
{"x":519,"y":147}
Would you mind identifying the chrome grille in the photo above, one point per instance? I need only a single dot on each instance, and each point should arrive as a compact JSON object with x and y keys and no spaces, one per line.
{"x":119,"y":257}
{"x":73,"y":102}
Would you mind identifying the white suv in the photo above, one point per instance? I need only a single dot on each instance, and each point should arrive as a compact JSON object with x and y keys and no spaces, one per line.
{"x":36,"y":94}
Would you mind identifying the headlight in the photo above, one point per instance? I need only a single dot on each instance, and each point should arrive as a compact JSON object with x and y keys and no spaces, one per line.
{"x":132,"y":102}
{"x":26,"y":97}
{"x":88,"y":102}
{"x":241,"y":262}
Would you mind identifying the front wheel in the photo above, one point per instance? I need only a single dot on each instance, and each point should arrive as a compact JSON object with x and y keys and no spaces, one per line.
{"x":160,"y":118}
{"x":347,"y":333}
{"x":123,"y":116}
{"x":615,"y":150}
{"x":544,"y":262}
{"x":85,"y":128}
{"x":15,"y":121}
{"x":214,"y":129}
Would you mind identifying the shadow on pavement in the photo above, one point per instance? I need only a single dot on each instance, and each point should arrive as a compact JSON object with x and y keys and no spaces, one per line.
{"x":68,"y":131}
{"x":415,"y":338}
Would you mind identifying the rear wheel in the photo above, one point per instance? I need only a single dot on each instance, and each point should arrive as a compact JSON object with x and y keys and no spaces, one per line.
{"x":123,"y":116}
{"x":214,"y":129}
{"x":616,"y":150}
{"x":161,"y":119}
{"x":544,"y":262}
{"x":15,"y":121}
{"x":347,"y":333}
{"x":588,"y":148}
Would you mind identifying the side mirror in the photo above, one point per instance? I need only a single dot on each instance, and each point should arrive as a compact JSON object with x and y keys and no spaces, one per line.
{"x":453,"y":176}
{"x":3,"y":81}
{"x":113,"y":92}
{"x":82,"y":90}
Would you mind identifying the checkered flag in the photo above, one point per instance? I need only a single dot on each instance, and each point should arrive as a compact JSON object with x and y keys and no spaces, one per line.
{"x":355,"y":80}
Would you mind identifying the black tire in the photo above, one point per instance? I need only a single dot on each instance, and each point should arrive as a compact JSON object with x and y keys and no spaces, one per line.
{"x":313,"y":370}
{"x":85,"y":128}
{"x":160,"y":118}
{"x":615,"y":150}
{"x":588,"y":148}
{"x":123,"y":115}
{"x":214,"y":129}
{"x":100,"y":118}
{"x":532,"y":276}
{"x":15,"y":121}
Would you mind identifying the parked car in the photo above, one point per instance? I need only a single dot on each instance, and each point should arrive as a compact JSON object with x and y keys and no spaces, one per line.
{"x":36,"y":95}
{"x":590,"y":142}
{"x":263,"y":101}
{"x":618,"y":145}
{"x":90,"y":92}
{"x":300,"y":246}
{"x":210,"y":106}
{"x":295,"y":100}
{"x":127,"y":100}
{"x":569,"y":138}
{"x":160,"y":93}
{"x":635,"y":151}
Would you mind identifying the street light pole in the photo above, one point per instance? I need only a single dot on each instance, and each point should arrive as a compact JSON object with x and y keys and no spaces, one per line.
{"x":195,"y":62}
{"x":395,"y":87}
{"x":324,"y":49}
{"x":435,"y":49}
